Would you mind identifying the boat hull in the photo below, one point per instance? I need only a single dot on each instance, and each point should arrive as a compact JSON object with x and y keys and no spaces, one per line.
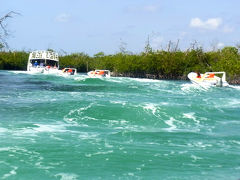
{"x":206,"y":81}
{"x":99,"y":74}
{"x":43,"y":70}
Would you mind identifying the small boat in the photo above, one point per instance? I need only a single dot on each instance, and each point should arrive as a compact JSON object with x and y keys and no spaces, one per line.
{"x":46,"y":62}
{"x":69,"y":71}
{"x":209,"y":79}
{"x":99,"y":73}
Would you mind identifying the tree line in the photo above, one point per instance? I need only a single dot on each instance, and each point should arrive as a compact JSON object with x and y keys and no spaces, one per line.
{"x":152,"y":64}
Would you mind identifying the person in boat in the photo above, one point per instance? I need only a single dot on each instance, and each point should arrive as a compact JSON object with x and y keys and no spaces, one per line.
{"x":35,"y":64}
{"x":198,"y":75}
{"x":47,"y":67}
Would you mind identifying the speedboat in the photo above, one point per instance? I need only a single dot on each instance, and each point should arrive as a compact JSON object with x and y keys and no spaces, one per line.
{"x":99,"y":73}
{"x":68,"y":71}
{"x":209,"y":79}
{"x":46,"y":62}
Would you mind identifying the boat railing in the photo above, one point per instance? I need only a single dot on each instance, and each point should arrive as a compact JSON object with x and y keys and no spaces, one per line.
{"x":223,"y":78}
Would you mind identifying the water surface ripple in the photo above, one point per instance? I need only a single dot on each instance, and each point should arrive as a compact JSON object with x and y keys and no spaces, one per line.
{"x":54,"y":127}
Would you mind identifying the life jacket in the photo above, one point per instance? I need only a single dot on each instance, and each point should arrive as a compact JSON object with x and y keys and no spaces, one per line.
{"x":101,"y":73}
{"x":211,"y":76}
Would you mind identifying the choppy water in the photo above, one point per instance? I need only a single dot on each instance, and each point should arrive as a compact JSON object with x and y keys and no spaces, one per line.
{"x":67,"y":128}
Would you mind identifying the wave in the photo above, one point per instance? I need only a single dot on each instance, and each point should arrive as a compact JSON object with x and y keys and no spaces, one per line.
{"x":192,"y":116}
{"x":3,"y":130}
{"x":67,"y":176}
{"x":193,"y":88}
{"x":12,"y":171}
{"x":145,"y":80}
{"x":234,"y":87}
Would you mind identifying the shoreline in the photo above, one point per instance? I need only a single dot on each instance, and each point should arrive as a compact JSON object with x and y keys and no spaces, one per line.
{"x":235,"y":81}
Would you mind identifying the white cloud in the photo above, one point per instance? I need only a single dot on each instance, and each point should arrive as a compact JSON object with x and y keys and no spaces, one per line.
{"x":63,"y":17}
{"x":211,"y":23}
{"x":228,"y":29}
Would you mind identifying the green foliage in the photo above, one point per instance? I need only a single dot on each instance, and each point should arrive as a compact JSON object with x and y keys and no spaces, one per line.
{"x":76,"y":60}
{"x":16,"y":60}
{"x":160,"y":64}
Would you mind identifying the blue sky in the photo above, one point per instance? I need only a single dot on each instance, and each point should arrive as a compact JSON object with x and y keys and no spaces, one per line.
{"x":92,"y":26}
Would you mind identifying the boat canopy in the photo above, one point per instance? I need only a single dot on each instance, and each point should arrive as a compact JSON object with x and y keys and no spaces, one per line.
{"x":50,"y":55}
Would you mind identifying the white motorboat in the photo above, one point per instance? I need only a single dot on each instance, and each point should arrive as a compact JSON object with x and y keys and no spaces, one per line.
{"x":99,"y":73}
{"x":46,"y":62}
{"x":68,"y":71}
{"x":209,"y":79}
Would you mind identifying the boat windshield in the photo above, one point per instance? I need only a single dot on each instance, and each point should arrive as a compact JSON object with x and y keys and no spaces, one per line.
{"x":51,"y":63}
{"x":37,"y":62}
{"x":43,"y":63}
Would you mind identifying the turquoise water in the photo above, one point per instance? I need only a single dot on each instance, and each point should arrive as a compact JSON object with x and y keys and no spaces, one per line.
{"x":54,"y":127}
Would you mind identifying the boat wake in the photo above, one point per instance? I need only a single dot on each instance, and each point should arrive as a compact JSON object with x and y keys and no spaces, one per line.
{"x":234,"y":87}
{"x":193,"y":87}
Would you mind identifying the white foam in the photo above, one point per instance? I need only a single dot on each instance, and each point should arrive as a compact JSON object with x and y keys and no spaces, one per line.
{"x":121,"y":122}
{"x":19,"y":72}
{"x":229,"y":103}
{"x":191,"y":115}
{"x":235,"y":142}
{"x":230,"y":122}
{"x":107,"y":145}
{"x":170,"y":122}
{"x":199,"y":145}
{"x":150,"y":107}
{"x":119,"y":102}
{"x":113,"y":79}
{"x":49,"y":128}
{"x":25,"y":72}
{"x":40,"y":128}
{"x":3,"y":130}
{"x":11,"y":173}
{"x":5,"y":149}
{"x":235,"y":87}
{"x":67,"y":176}
{"x":192,"y":87}
{"x":234,"y":103}
{"x":145,"y":80}
{"x":56,"y":138}
{"x":103,"y":152}
{"x":195,"y":158}
{"x":80,"y":78}
{"x":88,"y":135}
{"x":74,"y":114}
{"x":99,"y":153}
